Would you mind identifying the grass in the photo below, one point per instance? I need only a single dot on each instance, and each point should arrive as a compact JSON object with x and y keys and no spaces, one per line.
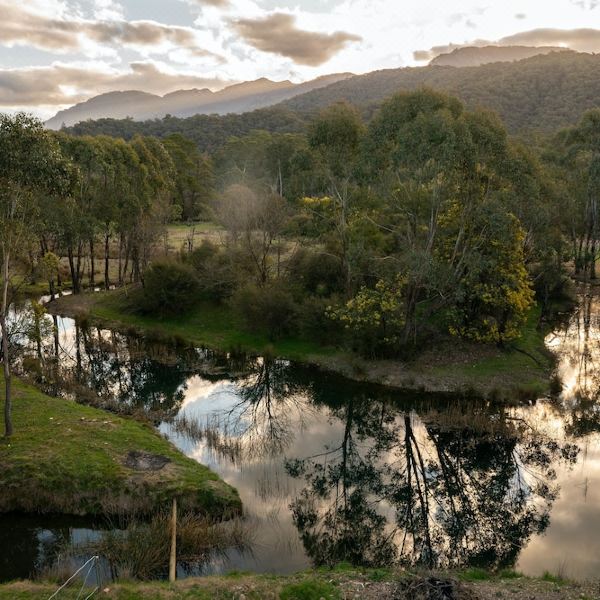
{"x":553,"y":578}
{"x":310,"y":585}
{"x":525,"y":364}
{"x":213,"y":325}
{"x":68,"y":458}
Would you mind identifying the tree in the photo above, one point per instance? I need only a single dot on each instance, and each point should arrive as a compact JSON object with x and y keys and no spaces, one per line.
{"x":582,"y":150}
{"x":440,"y":172}
{"x":194,"y":180}
{"x":30,"y":164}
{"x":493,"y":295}
{"x":254,"y":221}
{"x":335,"y":135}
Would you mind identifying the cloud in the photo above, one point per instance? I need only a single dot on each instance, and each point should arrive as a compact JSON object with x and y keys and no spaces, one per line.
{"x":217,"y":3}
{"x":28,"y":27}
{"x":278,"y":34}
{"x":580,"y":40}
{"x":60,"y":84}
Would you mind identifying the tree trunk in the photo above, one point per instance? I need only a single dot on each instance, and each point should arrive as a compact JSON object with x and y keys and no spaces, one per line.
{"x":92,"y":264}
{"x":79,"y":261}
{"x":173,"y":553}
{"x":410,"y":327}
{"x":106,"y":249}
{"x":74,"y":271}
{"x":120,"y":258}
{"x":8,"y":427}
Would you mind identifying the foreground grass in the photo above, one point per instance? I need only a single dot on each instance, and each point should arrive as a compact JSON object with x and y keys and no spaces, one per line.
{"x":68,"y":458}
{"x":522,"y":369}
{"x":328,"y":584}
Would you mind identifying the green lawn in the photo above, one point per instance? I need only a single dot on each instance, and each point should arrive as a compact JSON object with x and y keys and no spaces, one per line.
{"x":68,"y":458}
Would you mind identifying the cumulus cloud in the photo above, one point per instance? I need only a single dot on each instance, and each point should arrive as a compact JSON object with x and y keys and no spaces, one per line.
{"x":60,"y":84}
{"x":278,"y":34}
{"x":24,"y":26}
{"x":581,"y":40}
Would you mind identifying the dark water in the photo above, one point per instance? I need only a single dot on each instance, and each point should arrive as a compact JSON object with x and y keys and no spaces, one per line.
{"x":332,"y":470}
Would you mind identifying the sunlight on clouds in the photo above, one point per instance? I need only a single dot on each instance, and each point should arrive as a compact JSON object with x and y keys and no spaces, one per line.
{"x":278,"y":39}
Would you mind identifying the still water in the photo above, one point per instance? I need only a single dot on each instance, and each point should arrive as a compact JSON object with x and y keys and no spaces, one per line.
{"x":331,"y":470}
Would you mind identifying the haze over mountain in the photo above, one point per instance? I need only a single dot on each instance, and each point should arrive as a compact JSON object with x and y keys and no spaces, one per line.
{"x":473,"y":56}
{"x":238,"y":98}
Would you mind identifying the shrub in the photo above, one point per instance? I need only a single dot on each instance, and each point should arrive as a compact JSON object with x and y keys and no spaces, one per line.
{"x":317,"y":272}
{"x":309,"y":590}
{"x":315,"y":324}
{"x":170,"y":287}
{"x":270,"y":309}
{"x":217,"y":270}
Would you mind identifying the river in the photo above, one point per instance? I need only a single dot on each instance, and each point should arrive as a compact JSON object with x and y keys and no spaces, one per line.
{"x":331,"y":470}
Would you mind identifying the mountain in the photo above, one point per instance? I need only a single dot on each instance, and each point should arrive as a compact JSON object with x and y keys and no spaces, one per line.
{"x":542,"y":93}
{"x":238,"y":98}
{"x":474,"y":56}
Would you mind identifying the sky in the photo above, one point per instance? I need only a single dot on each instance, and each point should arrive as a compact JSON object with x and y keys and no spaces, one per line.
{"x":55,"y":53}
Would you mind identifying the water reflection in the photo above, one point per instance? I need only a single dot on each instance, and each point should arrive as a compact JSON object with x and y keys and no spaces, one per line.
{"x":332,"y":470}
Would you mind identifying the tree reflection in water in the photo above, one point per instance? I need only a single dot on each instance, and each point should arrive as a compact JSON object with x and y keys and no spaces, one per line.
{"x":578,"y":346}
{"x":270,"y":409}
{"x":410,"y":480}
{"x":399,"y":489}
{"x":124,"y":373}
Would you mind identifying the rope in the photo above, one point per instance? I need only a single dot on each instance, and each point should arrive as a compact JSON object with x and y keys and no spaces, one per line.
{"x":94,"y":561}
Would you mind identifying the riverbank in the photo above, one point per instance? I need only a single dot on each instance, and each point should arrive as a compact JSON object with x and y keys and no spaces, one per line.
{"x":73,"y":459}
{"x":337,"y":584}
{"x":451,"y":366}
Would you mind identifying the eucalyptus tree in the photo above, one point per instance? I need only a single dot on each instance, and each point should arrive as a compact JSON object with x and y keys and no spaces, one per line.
{"x":154,"y":186}
{"x":335,"y":136}
{"x":438,"y":170}
{"x":582,"y":155}
{"x":77,"y":224}
{"x":30,"y":165}
{"x":194,"y":180}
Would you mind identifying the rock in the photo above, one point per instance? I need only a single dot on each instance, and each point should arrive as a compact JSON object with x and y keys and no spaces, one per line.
{"x":144,"y":461}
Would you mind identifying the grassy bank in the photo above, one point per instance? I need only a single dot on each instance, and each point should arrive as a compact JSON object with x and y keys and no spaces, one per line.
{"x":335,"y":584}
{"x":453,"y":365}
{"x":73,"y":459}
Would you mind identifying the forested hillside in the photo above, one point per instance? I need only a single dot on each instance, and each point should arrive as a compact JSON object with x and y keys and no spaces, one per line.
{"x":540,"y":93}
{"x":209,"y":132}
{"x":543,"y":93}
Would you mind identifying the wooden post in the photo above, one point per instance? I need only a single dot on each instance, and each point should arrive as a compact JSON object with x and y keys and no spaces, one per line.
{"x":173,"y":557}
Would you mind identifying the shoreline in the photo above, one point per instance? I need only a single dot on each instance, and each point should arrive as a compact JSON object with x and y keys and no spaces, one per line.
{"x":452,"y":367}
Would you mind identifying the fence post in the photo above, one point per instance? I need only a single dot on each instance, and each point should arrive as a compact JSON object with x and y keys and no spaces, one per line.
{"x":173,"y":557}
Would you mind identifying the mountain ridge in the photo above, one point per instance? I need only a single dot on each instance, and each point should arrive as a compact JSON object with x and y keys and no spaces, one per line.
{"x":236,"y":98}
{"x":475,"y":56}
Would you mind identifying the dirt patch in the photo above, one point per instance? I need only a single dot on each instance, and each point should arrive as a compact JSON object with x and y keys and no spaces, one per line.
{"x":72,"y":305}
{"x":144,"y":461}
